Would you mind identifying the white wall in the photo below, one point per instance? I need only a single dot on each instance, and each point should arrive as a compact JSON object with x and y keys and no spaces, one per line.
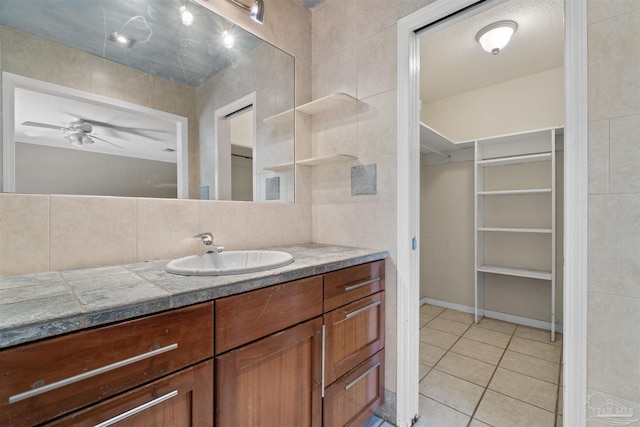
{"x":530,"y":102}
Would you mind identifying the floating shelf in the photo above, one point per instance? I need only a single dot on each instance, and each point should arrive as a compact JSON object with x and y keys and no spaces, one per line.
{"x":512,"y":160}
{"x":515,"y":192}
{"x":326,"y":104}
{"x":516,"y":230}
{"x":279,"y":168}
{"x":520,"y":272}
{"x":279,"y":119}
{"x":327,"y":159}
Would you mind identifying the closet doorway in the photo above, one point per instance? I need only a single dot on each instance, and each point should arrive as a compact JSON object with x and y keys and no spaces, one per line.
{"x":464,"y":118}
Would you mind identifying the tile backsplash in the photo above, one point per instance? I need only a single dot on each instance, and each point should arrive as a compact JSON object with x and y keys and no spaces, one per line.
{"x":42,"y":233}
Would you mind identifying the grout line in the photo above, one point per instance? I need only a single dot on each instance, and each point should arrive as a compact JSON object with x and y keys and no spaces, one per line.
{"x":527,"y":375}
{"x":522,"y":401}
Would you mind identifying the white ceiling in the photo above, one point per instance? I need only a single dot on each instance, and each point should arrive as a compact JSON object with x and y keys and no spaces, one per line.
{"x":452,"y":61}
{"x":148,"y":137}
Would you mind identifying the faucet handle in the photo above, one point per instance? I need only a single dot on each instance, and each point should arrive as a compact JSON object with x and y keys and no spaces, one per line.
{"x":207,"y":238}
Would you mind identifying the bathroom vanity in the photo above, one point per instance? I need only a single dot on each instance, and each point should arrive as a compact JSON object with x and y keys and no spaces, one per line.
{"x":301,"y":345}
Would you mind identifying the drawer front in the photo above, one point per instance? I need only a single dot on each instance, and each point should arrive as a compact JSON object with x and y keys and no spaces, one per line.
{"x":350,"y":284}
{"x":355,"y":397}
{"x":247,"y":317}
{"x":177,"y":400}
{"x":46,"y":379}
{"x":353,"y":333}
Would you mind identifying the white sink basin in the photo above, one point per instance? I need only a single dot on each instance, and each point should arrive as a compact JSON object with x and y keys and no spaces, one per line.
{"x":231,"y":262}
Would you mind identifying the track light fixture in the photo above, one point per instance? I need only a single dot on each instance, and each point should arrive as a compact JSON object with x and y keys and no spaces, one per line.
{"x":256,"y":11}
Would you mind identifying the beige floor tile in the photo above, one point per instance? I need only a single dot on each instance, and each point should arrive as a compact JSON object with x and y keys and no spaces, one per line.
{"x":425,"y":318}
{"x":457,"y":316}
{"x":430,"y":354}
{"x":466,"y":368}
{"x":478,"y":350}
{"x":451,"y":391}
{"x":431,"y":310}
{"x":487,"y":336}
{"x":424,"y":370}
{"x":437,"y":338}
{"x":559,"y":421}
{"x":435,"y":414}
{"x":448,"y":326}
{"x":560,"y":400}
{"x":535,"y":334}
{"x":478,"y":423}
{"x":532,"y":366}
{"x":497,"y":325}
{"x":499,"y":410}
{"x":527,"y":389}
{"x":544,"y":351}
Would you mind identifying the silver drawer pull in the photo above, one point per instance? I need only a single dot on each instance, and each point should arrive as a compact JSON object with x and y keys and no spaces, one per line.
{"x":361,"y":284}
{"x":360,"y":310}
{"x":46,"y":388}
{"x":364,"y":374}
{"x":137,"y":410}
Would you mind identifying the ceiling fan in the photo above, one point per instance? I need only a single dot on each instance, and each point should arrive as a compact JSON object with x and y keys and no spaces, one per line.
{"x":78,"y":132}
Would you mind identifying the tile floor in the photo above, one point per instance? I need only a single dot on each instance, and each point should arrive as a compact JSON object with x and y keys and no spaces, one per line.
{"x":490,"y":374}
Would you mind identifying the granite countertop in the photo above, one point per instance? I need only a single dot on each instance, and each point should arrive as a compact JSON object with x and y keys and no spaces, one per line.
{"x":42,"y":305}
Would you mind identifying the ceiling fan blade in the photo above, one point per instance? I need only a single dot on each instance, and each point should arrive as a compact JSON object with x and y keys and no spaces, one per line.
{"x":104,"y":140}
{"x":43,"y":125}
{"x":128,"y":129}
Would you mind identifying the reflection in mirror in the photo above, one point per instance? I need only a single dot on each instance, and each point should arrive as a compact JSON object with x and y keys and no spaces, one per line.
{"x":106,"y":75}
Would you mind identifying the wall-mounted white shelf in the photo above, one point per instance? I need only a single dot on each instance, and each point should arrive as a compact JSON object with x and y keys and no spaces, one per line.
{"x":515,"y":192}
{"x":326,"y":104}
{"x":521,"y":148}
{"x":513,"y":160}
{"x":517,"y":230}
{"x":519,"y":272}
{"x":280,"y":168}
{"x":335,"y":158}
{"x":286,"y":117}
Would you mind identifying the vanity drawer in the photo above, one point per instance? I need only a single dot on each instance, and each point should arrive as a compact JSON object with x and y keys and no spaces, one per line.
{"x":247,"y":317}
{"x":344,"y":286}
{"x":46,"y":379}
{"x":355,"y":397}
{"x":353,"y":333}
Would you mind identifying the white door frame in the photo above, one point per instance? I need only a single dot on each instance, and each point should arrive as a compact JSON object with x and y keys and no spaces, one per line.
{"x":222,"y":151}
{"x":575,"y":211}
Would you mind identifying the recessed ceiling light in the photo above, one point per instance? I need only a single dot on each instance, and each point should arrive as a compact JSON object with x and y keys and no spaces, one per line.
{"x":227,"y":39}
{"x":186,"y":16}
{"x":121,"y":39}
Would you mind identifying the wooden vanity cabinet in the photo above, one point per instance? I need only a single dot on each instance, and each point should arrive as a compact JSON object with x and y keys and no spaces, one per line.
{"x":182,"y":399}
{"x":44,"y":380}
{"x":354,"y":344}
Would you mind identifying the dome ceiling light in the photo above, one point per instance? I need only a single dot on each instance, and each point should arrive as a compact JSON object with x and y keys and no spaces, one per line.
{"x":493,"y":38}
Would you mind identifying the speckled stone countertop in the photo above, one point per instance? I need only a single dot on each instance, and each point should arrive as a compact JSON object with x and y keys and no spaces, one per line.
{"x":42,"y":305}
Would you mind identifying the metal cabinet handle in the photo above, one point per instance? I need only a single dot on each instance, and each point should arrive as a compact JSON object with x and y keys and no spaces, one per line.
{"x":361,"y":284}
{"x":360,"y":310}
{"x":323,"y":359}
{"x":55,"y":385}
{"x":364,"y":374}
{"x":138,"y":409}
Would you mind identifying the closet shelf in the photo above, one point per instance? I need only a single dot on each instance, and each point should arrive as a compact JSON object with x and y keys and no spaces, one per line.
{"x":335,"y":158}
{"x":515,"y":192}
{"x":520,"y":272}
{"x":512,"y":160}
{"x":431,"y":141}
{"x":280,"y":168}
{"x":280,"y":119}
{"x":517,"y":230}
{"x":327,"y":103}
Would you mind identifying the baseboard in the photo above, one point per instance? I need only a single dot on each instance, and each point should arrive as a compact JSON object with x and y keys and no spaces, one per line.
{"x":525,"y":321}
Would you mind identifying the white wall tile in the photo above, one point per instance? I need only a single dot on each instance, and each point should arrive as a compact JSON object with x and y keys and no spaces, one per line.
{"x":226,"y":221}
{"x":264,"y":225}
{"x":624,"y":145}
{"x":599,"y":157}
{"x":376,"y":64}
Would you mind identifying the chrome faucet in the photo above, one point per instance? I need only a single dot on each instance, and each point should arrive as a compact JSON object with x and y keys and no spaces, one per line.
{"x":207,"y":239}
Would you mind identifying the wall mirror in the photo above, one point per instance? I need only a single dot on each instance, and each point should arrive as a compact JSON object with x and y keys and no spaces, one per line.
{"x":152,"y":98}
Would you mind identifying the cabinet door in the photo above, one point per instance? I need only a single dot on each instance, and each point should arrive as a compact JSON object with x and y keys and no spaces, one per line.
{"x":353,"y":333}
{"x":183,"y":399}
{"x":355,"y":397}
{"x":275,"y":381}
